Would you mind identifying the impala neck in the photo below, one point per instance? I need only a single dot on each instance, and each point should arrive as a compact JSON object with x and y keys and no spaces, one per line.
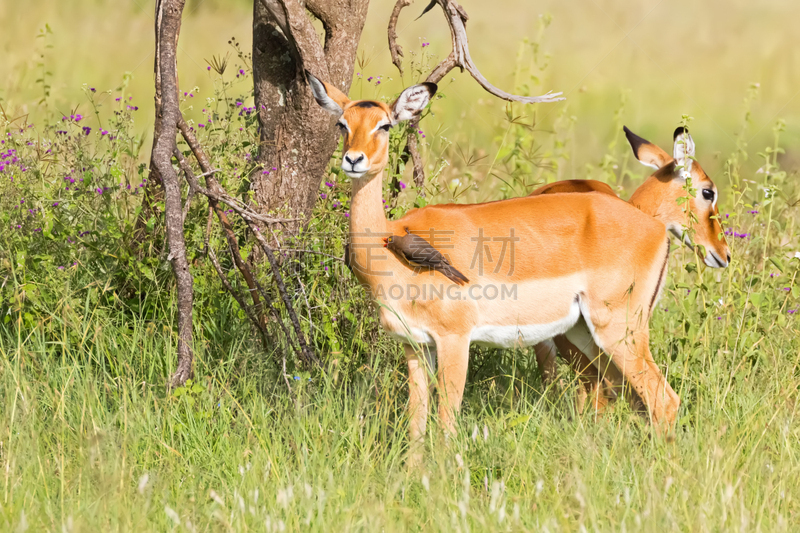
{"x":366,"y":206}
{"x":651,"y":198}
{"x":368,"y":226}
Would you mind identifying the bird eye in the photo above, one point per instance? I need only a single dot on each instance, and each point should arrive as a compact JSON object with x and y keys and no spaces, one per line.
{"x":708,"y":194}
{"x":386,"y":127}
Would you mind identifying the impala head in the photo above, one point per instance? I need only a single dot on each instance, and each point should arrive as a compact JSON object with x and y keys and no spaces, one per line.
{"x":660,"y":195}
{"x":365,"y":124}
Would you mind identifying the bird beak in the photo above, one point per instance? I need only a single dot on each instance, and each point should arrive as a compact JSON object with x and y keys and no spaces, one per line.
{"x":386,"y":242}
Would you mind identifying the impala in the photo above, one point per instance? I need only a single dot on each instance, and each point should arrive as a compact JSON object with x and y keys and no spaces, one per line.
{"x":665,"y":196}
{"x":589,"y":266}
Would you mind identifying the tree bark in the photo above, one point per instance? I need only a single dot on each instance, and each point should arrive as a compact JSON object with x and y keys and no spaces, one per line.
{"x":297,"y":138}
{"x":169,"y":21}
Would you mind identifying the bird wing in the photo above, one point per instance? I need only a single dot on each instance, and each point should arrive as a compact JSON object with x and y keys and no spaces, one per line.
{"x":420,"y":252}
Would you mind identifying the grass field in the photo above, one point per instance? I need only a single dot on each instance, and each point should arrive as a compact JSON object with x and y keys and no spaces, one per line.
{"x":91,"y":439}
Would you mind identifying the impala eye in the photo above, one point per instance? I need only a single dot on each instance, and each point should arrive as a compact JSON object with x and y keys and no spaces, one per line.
{"x":708,"y":194}
{"x":386,"y":127}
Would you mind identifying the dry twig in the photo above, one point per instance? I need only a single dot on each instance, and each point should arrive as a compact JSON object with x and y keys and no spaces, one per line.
{"x":459,"y":57}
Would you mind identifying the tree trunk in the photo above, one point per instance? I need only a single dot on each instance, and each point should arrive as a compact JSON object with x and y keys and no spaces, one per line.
{"x":169,"y":23}
{"x":297,"y":138}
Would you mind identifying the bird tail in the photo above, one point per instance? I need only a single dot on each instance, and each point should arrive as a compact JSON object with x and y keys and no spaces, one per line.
{"x":455,"y":276}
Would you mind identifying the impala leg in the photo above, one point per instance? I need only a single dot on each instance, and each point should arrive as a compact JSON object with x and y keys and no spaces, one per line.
{"x":430,"y":360}
{"x":630,"y":354}
{"x":590,"y":379}
{"x":453,"y":358}
{"x":546,"y":361}
{"x":417,"y":400}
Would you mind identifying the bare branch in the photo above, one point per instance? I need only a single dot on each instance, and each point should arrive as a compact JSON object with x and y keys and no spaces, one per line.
{"x":441,"y":70}
{"x":237,"y":205}
{"x":187,"y":204}
{"x":251,"y":217}
{"x":395,"y":49}
{"x":209,"y":251}
{"x":460,"y":57}
{"x":306,"y":353}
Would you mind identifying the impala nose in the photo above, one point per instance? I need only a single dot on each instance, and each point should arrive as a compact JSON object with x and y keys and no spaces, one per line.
{"x":729,"y":257}
{"x":353,"y":162}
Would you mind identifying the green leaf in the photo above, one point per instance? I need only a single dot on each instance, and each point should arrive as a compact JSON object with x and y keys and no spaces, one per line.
{"x":778,"y":263}
{"x":519,"y":420}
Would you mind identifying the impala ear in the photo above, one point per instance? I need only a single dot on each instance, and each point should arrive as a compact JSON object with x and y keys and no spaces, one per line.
{"x":683,"y":152}
{"x":646,"y":152}
{"x":412,"y":101}
{"x":327,"y":96}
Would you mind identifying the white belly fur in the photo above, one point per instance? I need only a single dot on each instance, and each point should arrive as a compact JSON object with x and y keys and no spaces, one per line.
{"x":419,"y":336}
{"x":524,"y":335}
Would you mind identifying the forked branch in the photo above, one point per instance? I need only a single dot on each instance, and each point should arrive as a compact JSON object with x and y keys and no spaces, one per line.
{"x":460,"y":56}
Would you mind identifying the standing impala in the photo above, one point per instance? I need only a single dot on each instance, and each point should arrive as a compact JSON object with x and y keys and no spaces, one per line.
{"x":660,"y":197}
{"x":589,"y":266}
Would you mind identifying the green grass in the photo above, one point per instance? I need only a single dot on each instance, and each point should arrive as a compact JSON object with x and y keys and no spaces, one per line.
{"x":91,"y":440}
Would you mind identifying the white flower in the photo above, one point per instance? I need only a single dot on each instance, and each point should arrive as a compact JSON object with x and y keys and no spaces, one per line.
{"x":172,"y":515}
{"x":143,"y":482}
